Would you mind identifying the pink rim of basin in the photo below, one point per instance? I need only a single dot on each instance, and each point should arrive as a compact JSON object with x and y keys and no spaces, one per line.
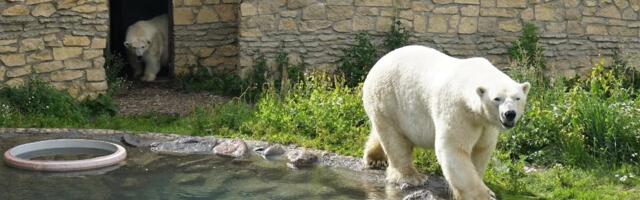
{"x":118,"y":154}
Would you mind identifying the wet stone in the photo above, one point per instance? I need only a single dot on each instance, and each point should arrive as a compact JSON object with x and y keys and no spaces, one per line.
{"x":188,"y":145}
{"x":420,"y":195}
{"x":270,"y":152}
{"x":231,"y":148}
{"x":301,"y":159}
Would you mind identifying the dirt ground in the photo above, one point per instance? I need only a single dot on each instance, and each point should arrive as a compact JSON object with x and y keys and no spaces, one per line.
{"x":162,"y":97}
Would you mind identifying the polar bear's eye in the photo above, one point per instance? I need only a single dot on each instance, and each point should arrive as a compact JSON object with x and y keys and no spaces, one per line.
{"x":517,"y":98}
{"x":497,"y":99}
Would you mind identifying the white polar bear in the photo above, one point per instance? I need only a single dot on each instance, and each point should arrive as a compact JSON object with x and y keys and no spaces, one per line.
{"x":148,"y":41}
{"x":416,"y":96}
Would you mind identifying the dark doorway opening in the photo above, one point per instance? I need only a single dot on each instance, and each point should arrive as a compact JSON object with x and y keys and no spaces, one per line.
{"x":124,"y":13}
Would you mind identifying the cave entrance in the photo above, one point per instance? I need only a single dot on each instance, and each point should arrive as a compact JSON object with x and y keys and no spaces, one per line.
{"x":124,"y":13}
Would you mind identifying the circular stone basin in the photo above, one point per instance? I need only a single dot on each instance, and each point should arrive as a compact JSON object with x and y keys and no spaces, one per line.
{"x":68,"y":155}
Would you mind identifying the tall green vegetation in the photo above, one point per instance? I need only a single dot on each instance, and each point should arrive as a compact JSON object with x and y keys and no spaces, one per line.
{"x":358,"y":60}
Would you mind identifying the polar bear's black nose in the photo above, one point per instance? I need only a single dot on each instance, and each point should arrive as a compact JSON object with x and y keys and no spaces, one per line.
{"x":510,"y":115}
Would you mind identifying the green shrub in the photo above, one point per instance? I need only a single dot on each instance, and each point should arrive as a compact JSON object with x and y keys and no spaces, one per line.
{"x":397,"y":37}
{"x":358,"y":60}
{"x":629,"y":75}
{"x":39,"y":99}
{"x":595,"y":121}
{"x":320,"y":112}
{"x":114,"y":72}
{"x":201,"y":79}
{"x":527,"y":49}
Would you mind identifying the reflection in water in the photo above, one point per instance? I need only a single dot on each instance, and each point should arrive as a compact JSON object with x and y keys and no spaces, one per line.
{"x":147,"y":175}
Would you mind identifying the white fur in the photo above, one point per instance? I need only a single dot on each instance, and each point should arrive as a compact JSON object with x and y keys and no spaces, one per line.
{"x":150,"y":40}
{"x":416,"y":96}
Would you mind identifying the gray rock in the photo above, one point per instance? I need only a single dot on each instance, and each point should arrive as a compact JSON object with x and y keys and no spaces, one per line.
{"x":270,"y":152}
{"x":187,"y":145}
{"x":231,"y":148}
{"x":131,"y":140}
{"x":420,"y":195}
{"x":301,"y":159}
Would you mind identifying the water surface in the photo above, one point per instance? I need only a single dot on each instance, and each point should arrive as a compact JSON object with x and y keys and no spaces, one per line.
{"x":147,"y":175}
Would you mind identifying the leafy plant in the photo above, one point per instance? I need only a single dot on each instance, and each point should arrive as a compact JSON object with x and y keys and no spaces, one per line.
{"x":397,"y":37}
{"x":114,"y":71}
{"x":358,"y":60}
{"x":526,"y":49}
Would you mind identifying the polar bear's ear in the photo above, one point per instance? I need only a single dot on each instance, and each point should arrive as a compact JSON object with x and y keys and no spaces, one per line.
{"x":480,"y":90}
{"x":525,"y":87}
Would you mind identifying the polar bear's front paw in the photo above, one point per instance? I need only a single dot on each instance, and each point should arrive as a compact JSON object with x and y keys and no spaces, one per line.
{"x":148,"y":77}
{"x":375,"y":164}
{"x":407,"y":180}
{"x":492,"y":195}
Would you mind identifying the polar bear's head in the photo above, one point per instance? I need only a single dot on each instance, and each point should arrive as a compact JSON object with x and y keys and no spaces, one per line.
{"x":138,"y":39}
{"x":137,"y":46}
{"x":504,"y":105}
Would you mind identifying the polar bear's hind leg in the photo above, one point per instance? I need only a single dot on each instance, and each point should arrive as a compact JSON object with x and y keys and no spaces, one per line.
{"x":374,"y":155}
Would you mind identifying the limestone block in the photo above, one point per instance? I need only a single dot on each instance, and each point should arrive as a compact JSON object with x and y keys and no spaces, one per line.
{"x":442,"y":1}
{"x":31,"y":44}
{"x":364,"y":23}
{"x":31,"y":2}
{"x":43,"y":55}
{"x":437,"y":24}
{"x":419,"y":24}
{"x":192,"y":2}
{"x":314,"y":12}
{"x":596,"y":29}
{"x":297,"y":4}
{"x":511,"y":3}
{"x":548,"y":12}
{"x":98,"y":43}
{"x":610,"y":11}
{"x":468,"y":25}
{"x":18,"y":71}
{"x":343,"y":26}
{"x":12,"y":60}
{"x":97,"y":74}
{"x":90,"y":54}
{"x":374,"y":3}
{"x":70,"y":40}
{"x":512,"y":25}
{"x":498,"y":12}
{"x":202,"y":51}
{"x":43,"y":10}
{"x":229,"y":50}
{"x":287,"y":25}
{"x":227,"y":12}
{"x":63,"y":53}
{"x":183,"y":16}
{"x":99,"y":86}
{"x":383,"y":24}
{"x":48,"y":66}
{"x":66,"y":75}
{"x":16,"y":10}
{"x":337,"y":13}
{"x":477,"y":2}
{"x":314,"y":25}
{"x":470,"y":10}
{"x":77,"y":63}
{"x":207,"y":15}
{"x":86,"y":8}
{"x":248,"y":9}
{"x":421,"y":6}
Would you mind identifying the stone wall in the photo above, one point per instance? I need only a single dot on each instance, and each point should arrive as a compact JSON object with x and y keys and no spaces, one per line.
{"x":205,"y":34}
{"x":61,"y":42}
{"x":573,"y":32}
